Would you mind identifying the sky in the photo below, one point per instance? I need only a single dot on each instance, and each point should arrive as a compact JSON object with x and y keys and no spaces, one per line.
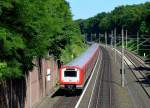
{"x":83,"y":9}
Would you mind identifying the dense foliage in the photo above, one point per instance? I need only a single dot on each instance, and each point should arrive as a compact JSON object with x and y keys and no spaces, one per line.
{"x":32,"y":28}
{"x":129,"y":17}
{"x":134,"y":18}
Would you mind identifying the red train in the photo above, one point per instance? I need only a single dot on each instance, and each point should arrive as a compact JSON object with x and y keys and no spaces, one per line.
{"x":75,"y":74}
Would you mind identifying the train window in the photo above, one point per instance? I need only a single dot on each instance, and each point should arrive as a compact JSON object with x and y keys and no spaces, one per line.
{"x":70,"y":74}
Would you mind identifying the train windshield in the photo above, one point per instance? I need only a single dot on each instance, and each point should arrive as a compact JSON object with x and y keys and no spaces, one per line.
{"x":70,"y":73}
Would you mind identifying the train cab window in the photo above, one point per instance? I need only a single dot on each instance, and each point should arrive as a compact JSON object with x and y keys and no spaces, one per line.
{"x":70,"y":74}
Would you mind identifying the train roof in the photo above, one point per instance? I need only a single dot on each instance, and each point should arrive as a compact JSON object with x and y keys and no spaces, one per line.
{"x":84,"y":57}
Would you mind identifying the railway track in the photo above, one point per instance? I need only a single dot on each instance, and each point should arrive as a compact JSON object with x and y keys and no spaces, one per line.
{"x":135,"y":80}
{"x":95,"y":96}
{"x":138,"y":61}
{"x":139,"y":65}
{"x":143,"y":70}
{"x":107,"y":96}
{"x":103,"y":93}
{"x":98,"y":96}
{"x":68,"y":99}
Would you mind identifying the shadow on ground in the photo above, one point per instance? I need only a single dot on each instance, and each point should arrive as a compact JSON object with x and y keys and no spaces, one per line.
{"x":141,"y":68}
{"x":67,"y":93}
{"x":146,"y":71}
{"x":145,"y":81}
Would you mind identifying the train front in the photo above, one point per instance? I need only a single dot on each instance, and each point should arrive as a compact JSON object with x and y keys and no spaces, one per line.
{"x":70,"y":77}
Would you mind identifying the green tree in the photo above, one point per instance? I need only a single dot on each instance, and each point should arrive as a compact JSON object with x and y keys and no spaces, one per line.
{"x":32,"y":28}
